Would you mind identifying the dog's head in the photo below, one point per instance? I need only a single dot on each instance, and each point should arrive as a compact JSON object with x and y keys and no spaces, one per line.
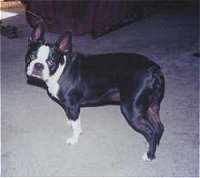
{"x":43,"y":59}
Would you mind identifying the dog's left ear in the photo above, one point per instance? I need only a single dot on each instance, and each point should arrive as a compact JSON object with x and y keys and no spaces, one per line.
{"x":64,"y":42}
{"x":37,"y":33}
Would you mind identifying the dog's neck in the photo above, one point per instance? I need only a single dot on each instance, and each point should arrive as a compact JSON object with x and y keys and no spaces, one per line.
{"x":52,"y":82}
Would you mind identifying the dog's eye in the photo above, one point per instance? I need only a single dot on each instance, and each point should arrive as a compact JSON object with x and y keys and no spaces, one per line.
{"x":32,"y":57}
{"x":50,"y":62}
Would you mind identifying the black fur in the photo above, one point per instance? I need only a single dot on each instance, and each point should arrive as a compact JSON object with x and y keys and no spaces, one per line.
{"x":130,"y":80}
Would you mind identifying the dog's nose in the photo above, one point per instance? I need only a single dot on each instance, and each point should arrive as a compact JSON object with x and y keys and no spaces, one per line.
{"x":39,"y":66}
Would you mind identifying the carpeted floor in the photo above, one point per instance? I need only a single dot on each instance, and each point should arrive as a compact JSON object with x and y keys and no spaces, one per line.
{"x":34,"y":130}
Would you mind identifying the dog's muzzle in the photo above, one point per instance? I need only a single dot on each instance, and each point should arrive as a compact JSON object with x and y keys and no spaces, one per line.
{"x":36,"y":70}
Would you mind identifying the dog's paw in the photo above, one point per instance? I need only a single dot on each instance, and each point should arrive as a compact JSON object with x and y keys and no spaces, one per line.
{"x":72,"y":140}
{"x":145,"y":157}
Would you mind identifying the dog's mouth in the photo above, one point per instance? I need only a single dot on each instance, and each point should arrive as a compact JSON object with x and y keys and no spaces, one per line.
{"x":36,"y":81}
{"x":35,"y":74}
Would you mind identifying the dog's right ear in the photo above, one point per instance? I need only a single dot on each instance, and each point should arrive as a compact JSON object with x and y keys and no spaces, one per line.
{"x":64,"y":42}
{"x":37,"y":33}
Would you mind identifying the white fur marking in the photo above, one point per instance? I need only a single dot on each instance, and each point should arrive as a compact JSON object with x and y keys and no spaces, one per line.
{"x":52,"y":82}
{"x":43,"y":52}
{"x":76,"y":127}
{"x":42,"y":55}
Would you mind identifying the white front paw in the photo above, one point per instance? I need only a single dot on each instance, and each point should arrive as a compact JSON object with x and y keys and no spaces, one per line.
{"x":72,"y":140}
{"x":76,"y":127}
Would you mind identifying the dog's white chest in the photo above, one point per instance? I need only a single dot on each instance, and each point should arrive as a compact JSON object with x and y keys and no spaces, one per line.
{"x":52,"y":82}
{"x":53,"y":88}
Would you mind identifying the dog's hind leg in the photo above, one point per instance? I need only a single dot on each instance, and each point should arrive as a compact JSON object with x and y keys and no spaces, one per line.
{"x":137,"y":121}
{"x":154,"y":103}
{"x":134,"y":108}
{"x":154,"y":118}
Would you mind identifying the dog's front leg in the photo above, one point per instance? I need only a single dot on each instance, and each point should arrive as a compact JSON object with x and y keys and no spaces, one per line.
{"x":76,"y":128}
{"x":75,"y":122}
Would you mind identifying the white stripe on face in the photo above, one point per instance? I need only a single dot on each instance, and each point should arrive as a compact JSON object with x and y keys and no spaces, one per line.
{"x":43,"y":53}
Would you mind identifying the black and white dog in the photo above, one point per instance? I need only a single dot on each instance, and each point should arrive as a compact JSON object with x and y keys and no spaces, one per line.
{"x":76,"y":80}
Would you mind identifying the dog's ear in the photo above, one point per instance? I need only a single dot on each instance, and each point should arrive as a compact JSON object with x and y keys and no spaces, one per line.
{"x":37,"y":33}
{"x":64,"y":42}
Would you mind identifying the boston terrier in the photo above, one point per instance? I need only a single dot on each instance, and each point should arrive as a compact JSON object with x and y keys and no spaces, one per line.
{"x":76,"y":80}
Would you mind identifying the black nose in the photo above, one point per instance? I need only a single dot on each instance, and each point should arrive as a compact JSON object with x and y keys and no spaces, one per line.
{"x":39,"y":66}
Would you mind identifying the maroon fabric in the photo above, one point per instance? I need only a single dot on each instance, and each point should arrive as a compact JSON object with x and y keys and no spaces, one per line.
{"x":96,"y":16}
